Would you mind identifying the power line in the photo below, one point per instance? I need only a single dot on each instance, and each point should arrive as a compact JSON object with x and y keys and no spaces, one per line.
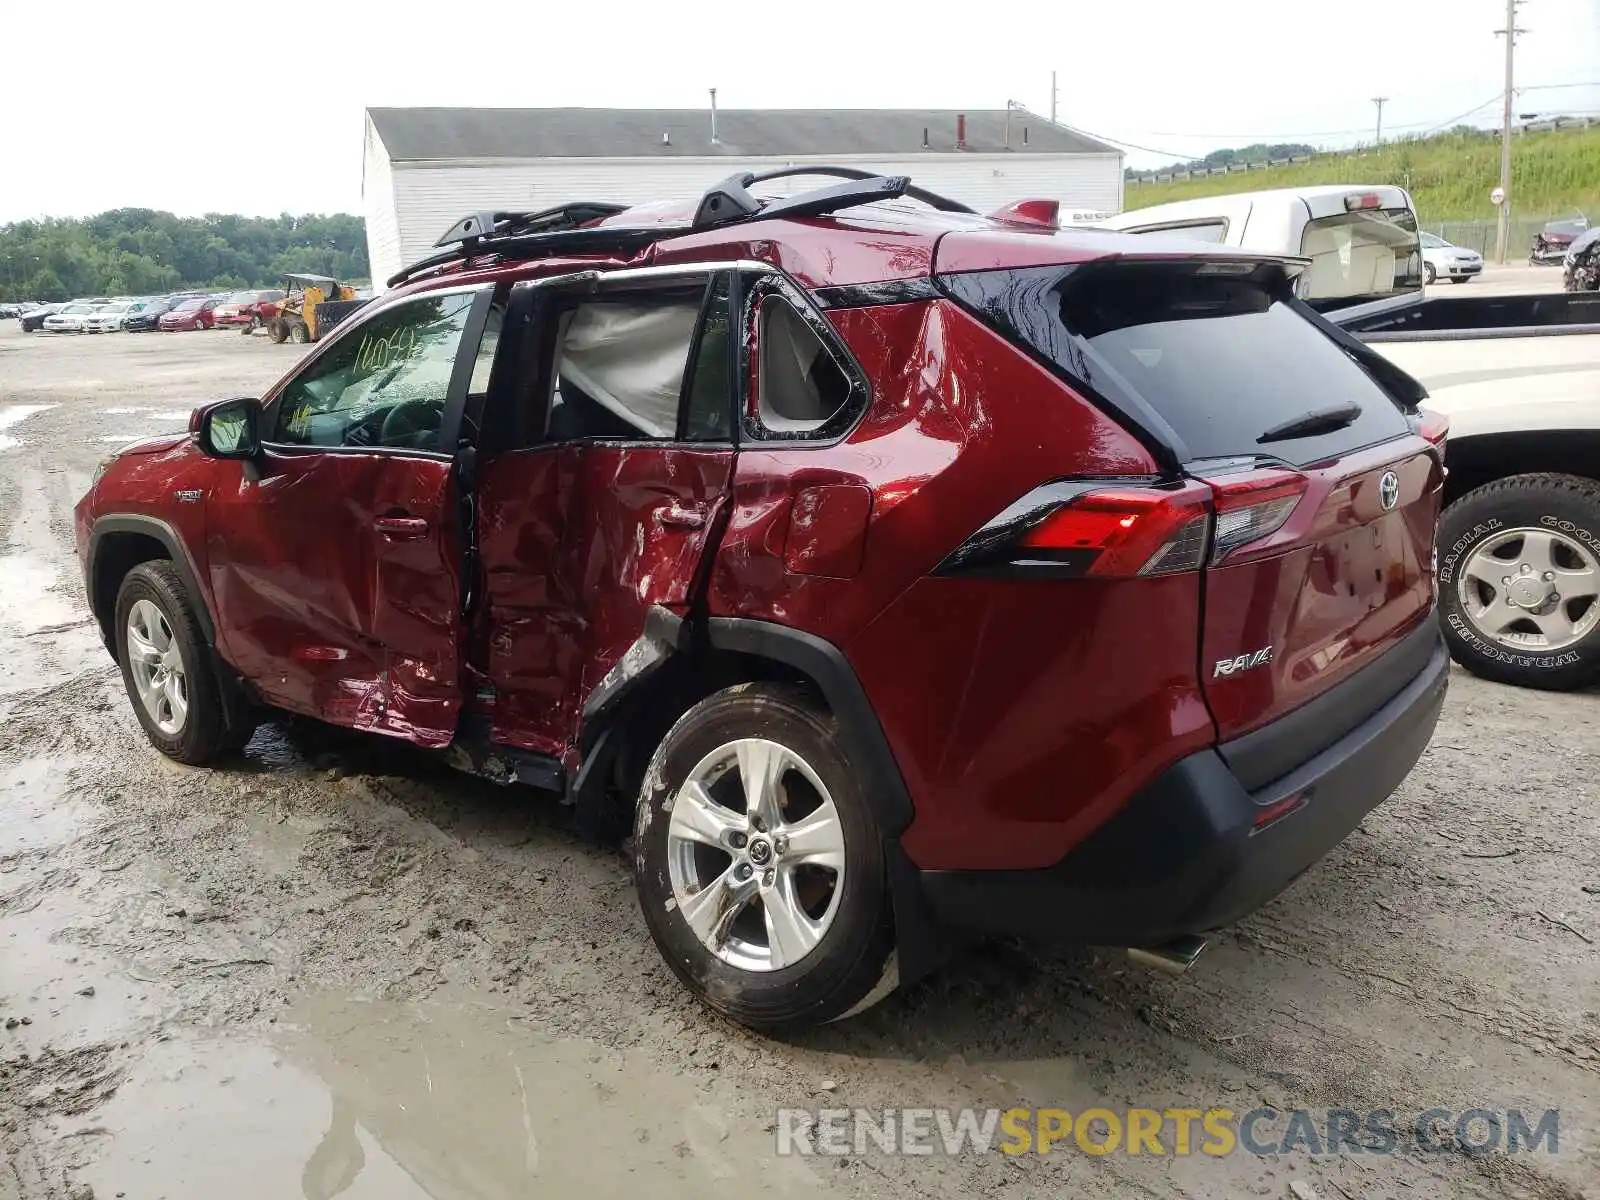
{"x":1310,"y":133}
{"x":1130,"y":145}
{"x":1494,"y":99}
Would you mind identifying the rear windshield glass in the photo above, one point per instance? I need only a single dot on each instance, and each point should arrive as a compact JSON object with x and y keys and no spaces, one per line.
{"x":1364,"y":255}
{"x":1224,"y":361}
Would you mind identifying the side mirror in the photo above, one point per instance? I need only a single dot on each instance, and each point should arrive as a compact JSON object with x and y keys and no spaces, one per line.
{"x":228,"y":428}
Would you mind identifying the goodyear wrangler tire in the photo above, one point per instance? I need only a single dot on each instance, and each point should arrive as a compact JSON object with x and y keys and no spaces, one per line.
{"x":1519,"y":581}
{"x":759,"y":866}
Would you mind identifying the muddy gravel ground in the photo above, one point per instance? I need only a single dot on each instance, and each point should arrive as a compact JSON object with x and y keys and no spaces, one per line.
{"x":335,"y":968}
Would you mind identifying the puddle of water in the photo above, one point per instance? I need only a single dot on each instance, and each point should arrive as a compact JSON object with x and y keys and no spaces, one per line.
{"x":27,"y":602}
{"x":15,"y":414}
{"x":424,"y":1102}
{"x":33,"y":816}
{"x":51,"y":908}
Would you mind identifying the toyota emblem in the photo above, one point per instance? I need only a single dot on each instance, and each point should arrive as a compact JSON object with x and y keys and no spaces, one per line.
{"x":1389,"y":490}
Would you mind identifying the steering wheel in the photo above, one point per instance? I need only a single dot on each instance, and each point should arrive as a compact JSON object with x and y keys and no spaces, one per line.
{"x":410,"y":419}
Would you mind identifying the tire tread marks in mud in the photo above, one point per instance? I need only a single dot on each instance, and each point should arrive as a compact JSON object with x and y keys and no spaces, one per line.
{"x":204,"y":734}
{"x":1568,"y":504}
{"x":849,"y":964}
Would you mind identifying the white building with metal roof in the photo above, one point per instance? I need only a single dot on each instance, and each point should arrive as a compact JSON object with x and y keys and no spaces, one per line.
{"x":424,"y":168}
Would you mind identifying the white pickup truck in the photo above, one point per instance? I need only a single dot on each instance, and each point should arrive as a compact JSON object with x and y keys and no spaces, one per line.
{"x":1519,"y":546}
{"x":1362,"y":240}
{"x":1519,"y":379}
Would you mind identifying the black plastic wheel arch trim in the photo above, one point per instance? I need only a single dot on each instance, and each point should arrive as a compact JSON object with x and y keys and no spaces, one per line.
{"x":823,"y":662}
{"x":177,"y":553}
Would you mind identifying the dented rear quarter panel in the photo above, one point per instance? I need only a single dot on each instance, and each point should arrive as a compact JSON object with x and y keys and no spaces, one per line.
{"x":1021,"y":713}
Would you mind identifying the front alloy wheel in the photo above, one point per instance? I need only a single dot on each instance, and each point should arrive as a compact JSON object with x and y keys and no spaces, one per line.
{"x":167,"y":667}
{"x":156,"y":663}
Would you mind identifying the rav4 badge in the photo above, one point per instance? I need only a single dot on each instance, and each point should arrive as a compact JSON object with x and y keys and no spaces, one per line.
{"x":1232,"y":666}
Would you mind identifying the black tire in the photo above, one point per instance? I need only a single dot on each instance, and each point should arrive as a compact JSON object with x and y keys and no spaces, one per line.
{"x":1429,"y":275}
{"x":278,"y":331}
{"x":204,"y":734}
{"x":851,"y":966}
{"x":1565,"y":505}
{"x":250,"y":326}
{"x":299,"y":333}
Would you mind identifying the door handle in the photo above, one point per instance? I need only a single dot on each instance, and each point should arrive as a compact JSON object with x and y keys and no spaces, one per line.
{"x":680,"y":518}
{"x":402,"y":528}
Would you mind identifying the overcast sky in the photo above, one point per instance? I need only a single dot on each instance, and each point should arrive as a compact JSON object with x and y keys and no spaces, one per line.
{"x":225,"y":107}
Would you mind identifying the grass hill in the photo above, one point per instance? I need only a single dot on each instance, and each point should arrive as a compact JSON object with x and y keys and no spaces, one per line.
{"x":1449,"y":175}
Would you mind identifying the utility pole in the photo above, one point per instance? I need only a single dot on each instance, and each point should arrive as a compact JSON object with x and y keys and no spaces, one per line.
{"x":1380,"y":101}
{"x":1054,"y":92}
{"x":1503,"y":232}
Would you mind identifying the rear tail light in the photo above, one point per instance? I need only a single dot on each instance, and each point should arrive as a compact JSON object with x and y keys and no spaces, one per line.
{"x":1253,"y":507}
{"x":1069,"y":530}
{"x":1135,"y":531}
{"x":1434,"y":426}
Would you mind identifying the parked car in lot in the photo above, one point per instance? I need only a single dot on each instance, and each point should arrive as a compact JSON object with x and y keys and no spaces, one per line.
{"x":1581,"y":266}
{"x":250,"y":309}
{"x":1550,"y":243}
{"x":145,"y":315}
{"x":70,"y":318}
{"x":1442,"y":260}
{"x":33,"y":320}
{"x":895,"y":576}
{"x":108,"y":318}
{"x":1362,"y":239}
{"x":197,"y":312}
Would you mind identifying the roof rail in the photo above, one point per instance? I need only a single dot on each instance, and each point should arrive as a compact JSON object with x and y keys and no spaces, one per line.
{"x":603,"y":240}
{"x":480,"y":226}
{"x":568,"y":228}
{"x":931,"y":199}
{"x":730,"y":202}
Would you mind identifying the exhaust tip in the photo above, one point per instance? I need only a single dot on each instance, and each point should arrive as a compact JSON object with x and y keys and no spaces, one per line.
{"x":1174,"y":958}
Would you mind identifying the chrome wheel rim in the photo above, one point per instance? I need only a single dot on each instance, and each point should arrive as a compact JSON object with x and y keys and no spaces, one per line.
{"x":1531,"y":589}
{"x":157,"y":667}
{"x":755,"y":854}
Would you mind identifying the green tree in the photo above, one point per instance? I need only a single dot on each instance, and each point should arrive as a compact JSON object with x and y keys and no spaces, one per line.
{"x":140,"y":250}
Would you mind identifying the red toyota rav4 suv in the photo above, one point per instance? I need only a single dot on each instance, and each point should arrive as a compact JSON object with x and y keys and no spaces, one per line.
{"x":898,"y":572}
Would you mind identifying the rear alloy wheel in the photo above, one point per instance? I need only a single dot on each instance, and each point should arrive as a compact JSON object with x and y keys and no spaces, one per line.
{"x":167,"y":668}
{"x":759,"y":866}
{"x":1519,"y":581}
